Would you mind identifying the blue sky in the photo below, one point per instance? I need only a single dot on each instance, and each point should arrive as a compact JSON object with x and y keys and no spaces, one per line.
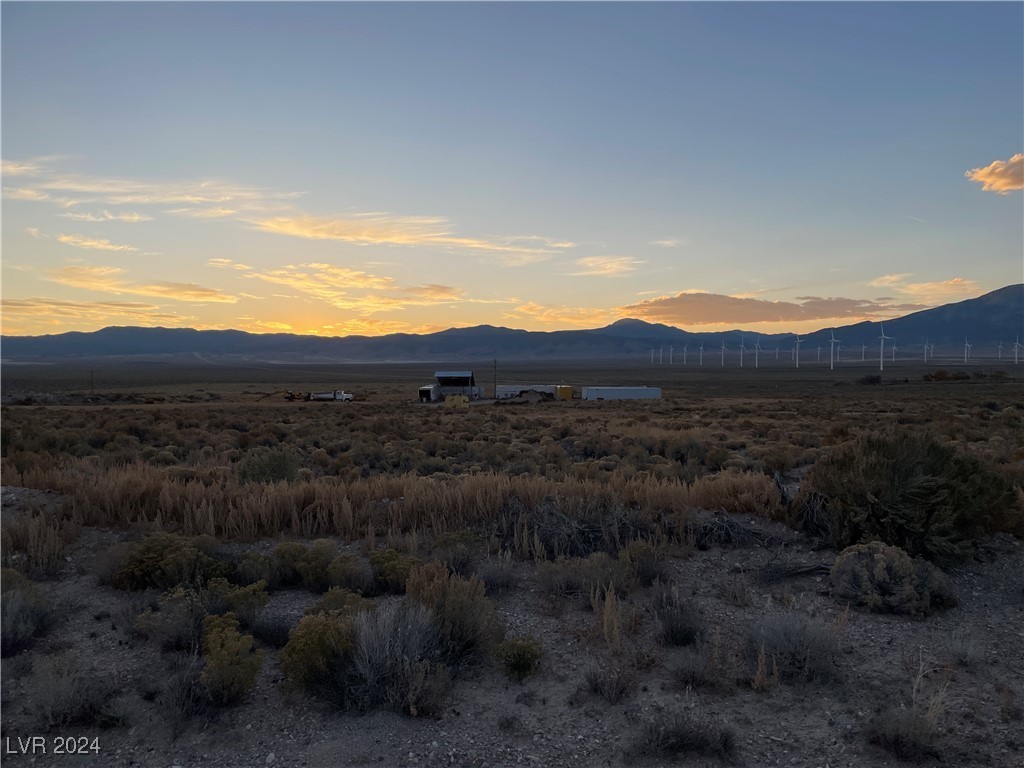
{"x":344,"y":168}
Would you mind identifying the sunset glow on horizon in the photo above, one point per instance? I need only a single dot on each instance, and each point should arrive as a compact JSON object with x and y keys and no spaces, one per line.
{"x":349,"y":168}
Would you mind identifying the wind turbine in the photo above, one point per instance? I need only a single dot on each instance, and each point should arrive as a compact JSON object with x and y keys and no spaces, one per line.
{"x":661,"y":355}
{"x":757,"y":350}
{"x":743,"y":349}
{"x":1016,"y":348}
{"x":1000,"y":350}
{"x":797,"y":350}
{"x":967,"y":350}
{"x":819,"y":354}
{"x":702,"y":354}
{"x":685,"y":346}
{"x":926,"y":350}
{"x":863,"y":347}
{"x":671,"y":353}
{"x":723,"y":353}
{"x":776,"y":354}
{"x":881,"y":347}
{"x":894,"y":353}
{"x":831,"y":350}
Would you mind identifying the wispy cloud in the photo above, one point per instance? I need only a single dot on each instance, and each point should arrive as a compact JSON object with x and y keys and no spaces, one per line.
{"x":109,"y":280}
{"x":605,"y":266}
{"x":561,"y":315}
{"x":886,"y":281}
{"x":268,"y":210}
{"x":31,"y":315}
{"x":205,"y":213}
{"x":668,"y":242}
{"x":228,"y":264}
{"x":23,"y":193}
{"x":941,"y":291}
{"x":81,"y":241}
{"x":353,"y":289}
{"x":1001,"y":176}
{"x":127,"y":216}
{"x":388,"y":229}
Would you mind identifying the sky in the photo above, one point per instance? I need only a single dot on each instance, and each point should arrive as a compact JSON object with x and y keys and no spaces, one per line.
{"x":350,"y":168}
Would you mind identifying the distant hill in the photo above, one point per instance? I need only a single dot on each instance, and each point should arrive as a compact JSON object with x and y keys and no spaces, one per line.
{"x":986,"y":320}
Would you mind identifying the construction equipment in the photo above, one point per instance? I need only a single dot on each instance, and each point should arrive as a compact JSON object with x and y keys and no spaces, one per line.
{"x":334,"y":394}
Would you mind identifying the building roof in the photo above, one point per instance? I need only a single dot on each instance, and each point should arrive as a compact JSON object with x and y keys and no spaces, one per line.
{"x":453,"y":374}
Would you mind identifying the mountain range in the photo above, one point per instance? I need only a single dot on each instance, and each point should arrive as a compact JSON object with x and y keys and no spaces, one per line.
{"x":986,"y":320}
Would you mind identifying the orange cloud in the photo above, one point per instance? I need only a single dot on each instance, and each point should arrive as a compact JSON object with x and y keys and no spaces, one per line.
{"x":99,"y":278}
{"x":37,"y":315}
{"x":1001,"y":176}
{"x":353,"y":289}
{"x":561,"y":315}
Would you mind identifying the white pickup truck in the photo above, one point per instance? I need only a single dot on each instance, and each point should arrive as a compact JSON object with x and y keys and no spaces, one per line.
{"x":335,"y":394}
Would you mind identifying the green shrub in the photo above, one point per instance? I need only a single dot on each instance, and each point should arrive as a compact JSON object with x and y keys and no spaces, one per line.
{"x":271,"y":629}
{"x":468,"y":622}
{"x":287,"y":556}
{"x":907,"y":490}
{"x":230,"y":664}
{"x":176,"y":621}
{"x":886,"y":579}
{"x":163,"y":561}
{"x":318,"y":653}
{"x":313,"y":565}
{"x":252,"y":567}
{"x":245,"y":602}
{"x":797,"y":646}
{"x":391,"y":569}
{"x":338,"y":600}
{"x":521,"y":657}
{"x":269,"y":466}
{"x":396,"y":661}
{"x":24,"y":614}
{"x":351,"y":572}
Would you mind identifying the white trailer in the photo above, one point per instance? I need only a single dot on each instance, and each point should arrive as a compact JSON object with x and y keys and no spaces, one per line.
{"x":621,"y":393}
{"x":334,"y":394}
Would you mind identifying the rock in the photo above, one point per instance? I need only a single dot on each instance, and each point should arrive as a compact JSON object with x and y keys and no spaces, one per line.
{"x":271,"y":758}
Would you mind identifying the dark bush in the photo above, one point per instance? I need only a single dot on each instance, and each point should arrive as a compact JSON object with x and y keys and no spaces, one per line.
{"x":886,"y":579}
{"x":797,"y":646}
{"x":396,"y":662}
{"x":24,"y":614}
{"x":521,"y":656}
{"x":909,"y":734}
{"x":681,"y":621}
{"x":906,"y":489}
{"x":612,"y":683}
{"x":163,"y":561}
{"x":673,"y":734}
